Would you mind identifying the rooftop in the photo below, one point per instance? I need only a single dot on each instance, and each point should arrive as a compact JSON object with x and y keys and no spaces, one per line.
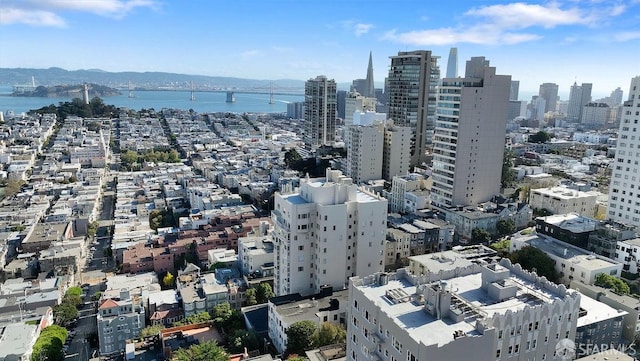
{"x":596,"y":311}
{"x":469,"y":300}
{"x":15,"y":340}
{"x":306,"y":308}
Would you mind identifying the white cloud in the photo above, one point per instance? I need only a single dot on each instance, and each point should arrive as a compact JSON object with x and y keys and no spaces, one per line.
{"x":35,"y":17}
{"x":357,"y":28}
{"x":521,"y":15}
{"x":47,"y":12}
{"x":506,"y":24}
{"x":484,"y":35}
{"x":361,"y":29}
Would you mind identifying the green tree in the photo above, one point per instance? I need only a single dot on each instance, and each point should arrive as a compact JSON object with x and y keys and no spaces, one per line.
{"x":300,"y":337}
{"x":531,"y":258}
{"x":64,"y":313}
{"x":48,"y":346}
{"x":479,"y":235}
{"x":168,"y":280}
{"x":150,"y":331}
{"x":240,"y":339}
{"x":206,"y":351}
{"x":264,"y":292}
{"x":250,"y":297}
{"x":74,"y":300}
{"x":222,"y":312}
{"x":540,"y":137}
{"x":92,"y":228}
{"x":193,"y":319}
{"x":508,"y":173}
{"x":502,"y":247}
{"x":74,"y":291}
{"x":505,"y":227}
{"x":292,"y":158}
{"x":612,"y":283}
{"x":328,"y":334}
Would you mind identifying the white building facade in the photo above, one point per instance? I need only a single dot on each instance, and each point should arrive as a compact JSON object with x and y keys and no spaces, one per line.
{"x":327,"y":231}
{"x":624,"y":204}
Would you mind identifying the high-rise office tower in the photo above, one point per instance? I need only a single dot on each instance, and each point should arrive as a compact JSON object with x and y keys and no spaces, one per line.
{"x":549,"y":92}
{"x":471,"y":119}
{"x":413,"y":78}
{"x":452,"y":63}
{"x":538,"y":106}
{"x":369,"y":90}
{"x":515,"y":88}
{"x":320,"y":103}
{"x":341,"y":98}
{"x":356,"y":102}
{"x":327,"y":231}
{"x":579,"y":96}
{"x":624,"y":189}
{"x":615,"y":97}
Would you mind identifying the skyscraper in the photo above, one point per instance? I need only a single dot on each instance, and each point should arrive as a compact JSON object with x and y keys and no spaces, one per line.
{"x":320,"y":103}
{"x":579,"y":96}
{"x":452,"y":63}
{"x":515,"y":88}
{"x":326,"y":232}
{"x":471,"y":118}
{"x":549,"y":92}
{"x":413,"y":78}
{"x":624,"y":189}
{"x":370,"y":90}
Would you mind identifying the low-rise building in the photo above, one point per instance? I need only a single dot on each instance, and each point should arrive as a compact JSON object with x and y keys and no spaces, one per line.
{"x":570,"y":227}
{"x":562,"y":200}
{"x":598,"y":324}
{"x":119,"y":319}
{"x":326,"y":306}
{"x":572,"y":263}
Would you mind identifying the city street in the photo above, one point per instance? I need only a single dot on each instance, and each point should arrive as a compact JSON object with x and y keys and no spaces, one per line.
{"x":96,"y":267}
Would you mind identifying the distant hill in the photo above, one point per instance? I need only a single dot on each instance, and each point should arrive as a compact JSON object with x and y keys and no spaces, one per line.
{"x":146,"y":80}
{"x":69,"y":91}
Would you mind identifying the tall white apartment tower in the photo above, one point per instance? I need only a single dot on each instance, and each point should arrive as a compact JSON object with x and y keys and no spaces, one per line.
{"x":470,"y":136}
{"x":320,"y":106}
{"x":364,"y":152}
{"x":411,"y":87}
{"x":579,"y":96}
{"x":327,"y":231}
{"x":624,"y":192}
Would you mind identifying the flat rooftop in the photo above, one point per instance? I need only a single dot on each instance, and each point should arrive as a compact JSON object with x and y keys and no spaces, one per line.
{"x":596,"y":311}
{"x":571,"y":221}
{"x":566,"y":251}
{"x":467,"y":291}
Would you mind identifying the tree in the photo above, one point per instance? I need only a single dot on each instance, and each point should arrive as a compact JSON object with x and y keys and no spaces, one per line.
{"x":48,"y":346}
{"x":292,"y":158}
{"x":74,"y":291}
{"x":502,"y":247}
{"x":505,"y":227}
{"x":206,"y":351}
{"x":264,"y":292}
{"x":150,"y":331}
{"x":13,"y":187}
{"x":540,"y":137}
{"x":300,"y":337}
{"x":612,"y":283}
{"x":74,"y":300}
{"x":92,"y":228}
{"x":222,"y":313}
{"x":168,"y":280}
{"x":479,"y":235}
{"x":64,"y":313}
{"x":193,"y":319}
{"x":508,"y":174}
{"x":240,"y":339}
{"x":328,"y":334}
{"x":250,"y":297}
{"x":531,"y":258}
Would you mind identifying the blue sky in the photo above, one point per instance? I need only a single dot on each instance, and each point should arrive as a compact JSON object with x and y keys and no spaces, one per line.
{"x":563,"y":41}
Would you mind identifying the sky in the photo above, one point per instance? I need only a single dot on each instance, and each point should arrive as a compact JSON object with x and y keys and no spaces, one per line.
{"x":562,"y":41}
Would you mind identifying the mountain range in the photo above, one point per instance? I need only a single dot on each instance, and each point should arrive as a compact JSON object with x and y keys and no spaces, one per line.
{"x":141,"y":80}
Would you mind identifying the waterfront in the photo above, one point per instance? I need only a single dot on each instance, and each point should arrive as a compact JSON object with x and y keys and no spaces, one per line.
{"x":204,"y":101}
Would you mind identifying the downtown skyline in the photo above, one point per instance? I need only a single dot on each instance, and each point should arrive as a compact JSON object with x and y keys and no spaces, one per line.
{"x":535,"y":42}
